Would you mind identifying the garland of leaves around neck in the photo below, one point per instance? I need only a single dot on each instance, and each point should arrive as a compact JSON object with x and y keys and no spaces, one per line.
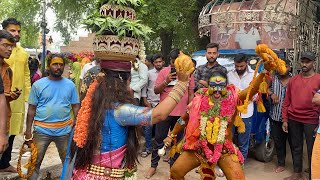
{"x":122,"y":27}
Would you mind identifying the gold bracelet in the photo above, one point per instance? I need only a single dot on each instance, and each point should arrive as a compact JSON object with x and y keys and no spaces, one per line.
{"x":172,"y":136}
{"x":174,"y":96}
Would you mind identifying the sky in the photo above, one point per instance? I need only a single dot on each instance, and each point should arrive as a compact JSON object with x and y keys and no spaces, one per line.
{"x":56,"y":36}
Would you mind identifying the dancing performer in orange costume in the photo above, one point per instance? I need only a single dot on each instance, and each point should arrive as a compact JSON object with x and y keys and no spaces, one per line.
{"x":209,"y":121}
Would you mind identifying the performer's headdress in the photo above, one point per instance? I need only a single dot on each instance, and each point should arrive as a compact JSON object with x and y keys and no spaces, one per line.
{"x":119,"y":35}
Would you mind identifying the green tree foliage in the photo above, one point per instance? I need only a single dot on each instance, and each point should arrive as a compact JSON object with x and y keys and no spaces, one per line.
{"x":27,"y":12}
{"x":69,"y":14}
{"x":175,"y":23}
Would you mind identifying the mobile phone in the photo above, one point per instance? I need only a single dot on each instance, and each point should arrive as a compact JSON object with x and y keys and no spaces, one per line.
{"x":173,"y":70}
{"x":17,"y":90}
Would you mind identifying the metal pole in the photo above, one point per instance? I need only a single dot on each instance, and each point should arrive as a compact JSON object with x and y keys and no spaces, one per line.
{"x":43,"y":24}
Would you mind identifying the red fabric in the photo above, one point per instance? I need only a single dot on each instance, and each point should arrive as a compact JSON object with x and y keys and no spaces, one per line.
{"x":297,"y":103}
{"x":193,"y":127}
{"x":116,"y":65}
{"x":35,"y":78}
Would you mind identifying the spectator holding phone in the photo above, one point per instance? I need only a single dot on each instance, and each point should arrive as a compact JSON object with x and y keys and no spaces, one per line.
{"x":163,"y":85}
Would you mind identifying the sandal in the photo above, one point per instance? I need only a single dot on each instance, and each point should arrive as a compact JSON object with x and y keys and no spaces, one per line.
{"x":166,"y":158}
{"x":145,"y":153}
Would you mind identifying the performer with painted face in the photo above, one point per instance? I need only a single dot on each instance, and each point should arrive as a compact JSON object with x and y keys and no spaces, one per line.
{"x":209,"y":122}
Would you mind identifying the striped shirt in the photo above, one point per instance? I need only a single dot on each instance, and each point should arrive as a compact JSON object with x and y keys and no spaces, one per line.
{"x":278,"y":89}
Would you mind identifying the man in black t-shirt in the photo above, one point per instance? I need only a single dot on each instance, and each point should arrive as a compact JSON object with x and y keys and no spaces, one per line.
{"x":3,"y":120}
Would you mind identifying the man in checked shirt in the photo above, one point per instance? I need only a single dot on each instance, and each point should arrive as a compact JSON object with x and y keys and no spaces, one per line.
{"x":203,"y":72}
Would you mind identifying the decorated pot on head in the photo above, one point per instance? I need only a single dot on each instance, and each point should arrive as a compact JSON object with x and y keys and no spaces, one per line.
{"x":119,"y":36}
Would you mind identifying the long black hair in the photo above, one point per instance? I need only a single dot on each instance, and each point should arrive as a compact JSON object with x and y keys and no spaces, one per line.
{"x":33,"y":66}
{"x":112,"y":89}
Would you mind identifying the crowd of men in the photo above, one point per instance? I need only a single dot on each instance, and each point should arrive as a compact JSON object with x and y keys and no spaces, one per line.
{"x":293,"y":116}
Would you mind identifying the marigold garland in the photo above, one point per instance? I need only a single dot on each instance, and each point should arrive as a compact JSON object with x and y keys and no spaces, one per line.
{"x":32,"y":160}
{"x":81,"y":128}
{"x":271,"y":63}
{"x":203,"y":123}
{"x":214,"y":120}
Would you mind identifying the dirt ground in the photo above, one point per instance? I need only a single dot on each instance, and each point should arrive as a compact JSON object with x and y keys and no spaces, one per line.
{"x":254,"y":170}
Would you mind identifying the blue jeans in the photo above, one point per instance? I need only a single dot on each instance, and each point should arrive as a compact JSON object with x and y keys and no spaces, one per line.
{"x":42,"y":142}
{"x":148,"y":137}
{"x":244,"y":138}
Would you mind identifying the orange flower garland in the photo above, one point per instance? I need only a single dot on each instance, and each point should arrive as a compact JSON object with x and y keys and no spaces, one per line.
{"x":81,"y":128}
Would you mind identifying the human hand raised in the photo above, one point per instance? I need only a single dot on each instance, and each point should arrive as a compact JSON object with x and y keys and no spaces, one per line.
{"x":270,"y":59}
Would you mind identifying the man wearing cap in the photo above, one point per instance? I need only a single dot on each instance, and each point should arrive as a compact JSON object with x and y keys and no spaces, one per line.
{"x":49,"y":111}
{"x":299,"y":115}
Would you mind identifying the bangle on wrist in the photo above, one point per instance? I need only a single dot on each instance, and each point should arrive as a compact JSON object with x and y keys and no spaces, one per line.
{"x":172,"y":136}
{"x":24,"y":138}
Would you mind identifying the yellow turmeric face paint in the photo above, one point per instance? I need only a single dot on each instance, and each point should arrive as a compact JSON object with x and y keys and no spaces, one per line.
{"x":217,"y":83}
{"x":56,"y":60}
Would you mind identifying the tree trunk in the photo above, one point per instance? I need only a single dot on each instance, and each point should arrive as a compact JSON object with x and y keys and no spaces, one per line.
{"x":166,"y":44}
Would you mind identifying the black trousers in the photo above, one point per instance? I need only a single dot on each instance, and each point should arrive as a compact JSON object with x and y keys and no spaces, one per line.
{"x":6,"y":156}
{"x":161,"y":133}
{"x":280,"y":139}
{"x":296,"y":132}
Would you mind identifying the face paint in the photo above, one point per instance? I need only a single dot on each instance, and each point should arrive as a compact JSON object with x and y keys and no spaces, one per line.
{"x":217,"y":84}
{"x":56,"y":60}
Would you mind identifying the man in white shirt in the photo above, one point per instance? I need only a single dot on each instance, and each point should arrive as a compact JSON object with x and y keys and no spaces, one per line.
{"x":86,"y":68}
{"x":241,"y":78}
{"x":150,"y":99}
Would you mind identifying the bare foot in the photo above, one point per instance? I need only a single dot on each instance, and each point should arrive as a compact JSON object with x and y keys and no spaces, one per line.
{"x":150,"y":173}
{"x":9,"y":169}
{"x":279,"y":169}
{"x":219,"y":172}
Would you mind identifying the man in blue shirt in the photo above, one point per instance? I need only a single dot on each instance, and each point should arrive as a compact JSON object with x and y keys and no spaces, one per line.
{"x":49,"y":111}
